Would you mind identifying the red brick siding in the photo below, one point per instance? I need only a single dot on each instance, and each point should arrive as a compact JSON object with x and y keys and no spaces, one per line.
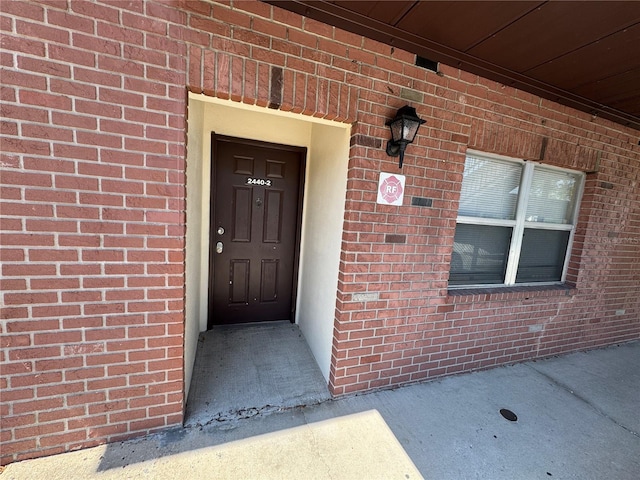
{"x":92,"y":224}
{"x":93,"y":129}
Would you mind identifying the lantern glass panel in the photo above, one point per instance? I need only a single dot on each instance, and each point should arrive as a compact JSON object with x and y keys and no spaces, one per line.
{"x":410,"y":130}
{"x":397,"y":130}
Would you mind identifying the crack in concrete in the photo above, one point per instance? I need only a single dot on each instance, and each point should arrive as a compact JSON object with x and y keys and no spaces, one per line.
{"x":316,"y":448}
{"x":234,"y":416}
{"x":571,"y":391}
{"x":237,"y":415}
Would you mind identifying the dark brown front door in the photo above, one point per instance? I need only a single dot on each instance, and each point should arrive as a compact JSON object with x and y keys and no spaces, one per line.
{"x":254,"y":230}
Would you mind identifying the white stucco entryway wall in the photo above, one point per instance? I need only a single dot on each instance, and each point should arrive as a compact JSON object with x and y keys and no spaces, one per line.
{"x":325,"y":186}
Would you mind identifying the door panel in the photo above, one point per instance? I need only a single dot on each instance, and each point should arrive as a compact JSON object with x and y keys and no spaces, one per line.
{"x":239,"y":282}
{"x":254,"y":230}
{"x":269,"y":280}
{"x":273,"y":214}
{"x":241,"y":221}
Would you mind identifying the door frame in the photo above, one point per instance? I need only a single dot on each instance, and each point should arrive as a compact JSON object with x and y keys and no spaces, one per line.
{"x":325,"y":201}
{"x":302,"y":152}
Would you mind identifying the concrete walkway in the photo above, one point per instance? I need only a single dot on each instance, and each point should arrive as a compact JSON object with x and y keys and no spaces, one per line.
{"x":578,"y":417}
{"x":244,"y":370}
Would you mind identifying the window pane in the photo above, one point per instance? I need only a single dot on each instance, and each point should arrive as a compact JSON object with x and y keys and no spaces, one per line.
{"x":479,"y":254}
{"x":552,"y":197}
{"x":489,"y":188}
{"x":542,"y":255}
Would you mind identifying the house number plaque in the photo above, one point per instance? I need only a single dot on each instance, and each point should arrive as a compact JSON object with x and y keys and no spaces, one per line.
{"x":258,"y":181}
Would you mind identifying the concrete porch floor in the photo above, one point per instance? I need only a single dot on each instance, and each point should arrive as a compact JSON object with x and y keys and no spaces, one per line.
{"x":244,"y":370}
{"x":577,"y":419}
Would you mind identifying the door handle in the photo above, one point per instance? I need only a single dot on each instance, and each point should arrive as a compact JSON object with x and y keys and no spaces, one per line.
{"x":219,"y":247}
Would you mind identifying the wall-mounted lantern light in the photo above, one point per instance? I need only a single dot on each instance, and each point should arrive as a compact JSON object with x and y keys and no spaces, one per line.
{"x":404,"y":128}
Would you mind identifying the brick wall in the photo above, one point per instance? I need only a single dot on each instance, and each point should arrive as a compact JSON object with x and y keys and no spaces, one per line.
{"x":92,"y":224}
{"x":93,"y":152}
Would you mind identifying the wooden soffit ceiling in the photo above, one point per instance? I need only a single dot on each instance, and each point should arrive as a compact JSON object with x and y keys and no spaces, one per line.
{"x":584,"y":54}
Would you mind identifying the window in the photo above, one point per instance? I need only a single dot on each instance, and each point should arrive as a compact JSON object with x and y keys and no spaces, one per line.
{"x":515,"y":222}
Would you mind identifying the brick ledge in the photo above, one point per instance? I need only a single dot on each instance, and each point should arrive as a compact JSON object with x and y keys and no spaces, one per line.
{"x":460,"y":295}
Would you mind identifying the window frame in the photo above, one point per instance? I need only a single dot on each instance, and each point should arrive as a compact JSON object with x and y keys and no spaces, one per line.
{"x":519,"y":223}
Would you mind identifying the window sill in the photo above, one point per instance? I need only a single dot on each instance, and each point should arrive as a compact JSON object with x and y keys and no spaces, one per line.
{"x":481,"y":294}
